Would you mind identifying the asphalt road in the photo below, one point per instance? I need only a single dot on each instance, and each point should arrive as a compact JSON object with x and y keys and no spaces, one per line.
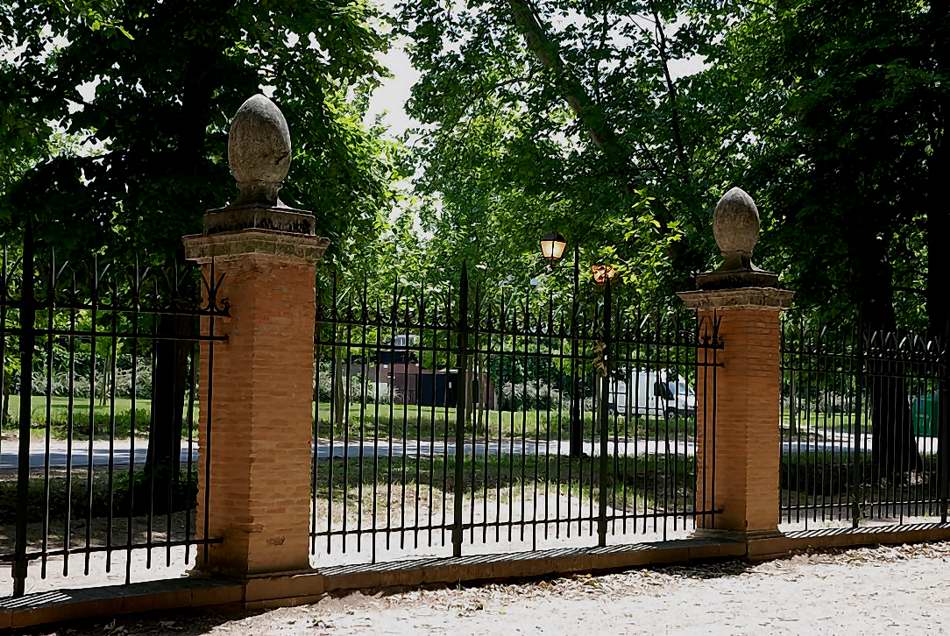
{"x":60,"y":453}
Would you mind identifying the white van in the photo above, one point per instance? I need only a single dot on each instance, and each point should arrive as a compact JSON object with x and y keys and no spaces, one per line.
{"x":652,"y":392}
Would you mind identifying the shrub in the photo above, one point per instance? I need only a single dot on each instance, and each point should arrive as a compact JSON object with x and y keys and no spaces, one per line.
{"x":101,"y":421}
{"x":530,"y":395}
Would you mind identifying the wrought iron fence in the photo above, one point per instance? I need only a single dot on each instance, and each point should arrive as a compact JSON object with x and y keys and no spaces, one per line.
{"x":467,"y":421}
{"x":99,"y":421}
{"x":863,"y":418}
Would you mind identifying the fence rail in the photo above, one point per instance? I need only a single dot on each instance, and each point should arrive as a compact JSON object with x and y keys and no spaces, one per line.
{"x":863,"y":417}
{"x":464,"y":419}
{"x":99,"y":415}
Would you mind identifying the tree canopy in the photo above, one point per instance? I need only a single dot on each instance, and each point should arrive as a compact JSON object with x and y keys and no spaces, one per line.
{"x":115,"y":114}
{"x":620,"y":123}
{"x":616,"y":122}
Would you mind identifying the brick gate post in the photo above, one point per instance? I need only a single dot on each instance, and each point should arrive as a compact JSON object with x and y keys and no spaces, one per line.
{"x":744,"y":394}
{"x":259,"y":403}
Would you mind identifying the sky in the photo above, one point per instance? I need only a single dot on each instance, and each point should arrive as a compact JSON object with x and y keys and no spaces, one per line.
{"x":390,"y":98}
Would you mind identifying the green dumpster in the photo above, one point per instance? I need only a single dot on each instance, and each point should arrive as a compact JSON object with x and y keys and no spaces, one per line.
{"x":923,"y":412}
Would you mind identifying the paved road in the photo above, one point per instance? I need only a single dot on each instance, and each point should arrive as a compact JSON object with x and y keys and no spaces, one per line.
{"x":59,"y":452}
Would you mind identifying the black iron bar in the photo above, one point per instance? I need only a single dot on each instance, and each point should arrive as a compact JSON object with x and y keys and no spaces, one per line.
{"x":603,"y":420}
{"x":27,"y":344}
{"x":560,"y":410}
{"x":665,"y":384}
{"x":474,"y":384}
{"x":364,"y":390}
{"x":318,"y":327}
{"x":393,"y":311}
{"x":92,"y":409}
{"x":378,"y":328}
{"x":612,"y":415}
{"x":212,"y":302}
{"x":537,"y":428}
{"x":152,"y":434}
{"x":943,"y":426}
{"x":525,"y":339}
{"x":502,"y":319}
{"x":347,"y":380}
{"x":715,"y":413}
{"x":432,"y":418}
{"x":190,"y":422}
{"x":577,"y":423}
{"x":488,"y":410}
{"x":113,"y":368}
{"x":547,"y":423}
{"x":415,"y":395}
{"x":634,"y":378}
{"x":821,"y":381}
{"x":70,"y":427}
{"x":335,"y":398}
{"x":447,"y":331}
{"x":50,"y":315}
{"x":461,"y":394}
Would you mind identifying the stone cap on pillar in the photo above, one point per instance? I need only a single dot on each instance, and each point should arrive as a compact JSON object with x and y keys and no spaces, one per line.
{"x":737,"y":282}
{"x":257,"y":222}
{"x":745,"y":297}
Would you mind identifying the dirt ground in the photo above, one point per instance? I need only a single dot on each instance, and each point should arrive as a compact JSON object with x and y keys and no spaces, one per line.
{"x":892,"y":590}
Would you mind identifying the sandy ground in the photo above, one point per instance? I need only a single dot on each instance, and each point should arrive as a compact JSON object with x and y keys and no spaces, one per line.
{"x":501,"y":536}
{"x":894,"y":590}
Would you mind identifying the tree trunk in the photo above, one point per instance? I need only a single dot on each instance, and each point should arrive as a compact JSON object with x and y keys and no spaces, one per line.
{"x":894,"y":448}
{"x":590,"y":114}
{"x":938,"y":256}
{"x":168,"y":403}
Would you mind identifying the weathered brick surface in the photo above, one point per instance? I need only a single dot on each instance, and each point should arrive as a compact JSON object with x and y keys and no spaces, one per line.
{"x":260,"y":418}
{"x":739,"y":426}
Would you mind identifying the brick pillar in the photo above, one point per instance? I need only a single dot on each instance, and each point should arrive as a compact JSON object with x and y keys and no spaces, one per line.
{"x":741,"y":403}
{"x":741,"y":400}
{"x":259,"y":398}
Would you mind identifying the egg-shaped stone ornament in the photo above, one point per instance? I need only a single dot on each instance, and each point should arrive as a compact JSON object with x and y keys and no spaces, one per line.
{"x":259,"y":151}
{"x":736,"y":229}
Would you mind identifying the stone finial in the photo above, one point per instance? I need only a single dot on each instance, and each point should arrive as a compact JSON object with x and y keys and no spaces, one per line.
{"x":259,"y":156}
{"x":736,"y":228}
{"x":259,"y":152}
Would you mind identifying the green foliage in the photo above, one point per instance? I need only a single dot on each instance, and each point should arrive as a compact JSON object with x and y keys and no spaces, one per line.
{"x":134,"y":166}
{"x":610,"y":157}
{"x":576,"y":116}
{"x":843,"y":107}
{"x":104,"y":423}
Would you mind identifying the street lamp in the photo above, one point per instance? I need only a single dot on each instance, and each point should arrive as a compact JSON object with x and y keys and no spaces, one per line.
{"x":552,"y":246}
{"x":602,"y":274}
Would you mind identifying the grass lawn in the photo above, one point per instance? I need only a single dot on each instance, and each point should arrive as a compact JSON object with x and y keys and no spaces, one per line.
{"x":400,"y":421}
{"x":412,"y":421}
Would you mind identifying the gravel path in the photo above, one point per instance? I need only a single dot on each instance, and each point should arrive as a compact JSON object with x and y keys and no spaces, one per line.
{"x":892,"y":590}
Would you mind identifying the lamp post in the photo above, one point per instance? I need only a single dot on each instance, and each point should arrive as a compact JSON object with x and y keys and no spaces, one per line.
{"x":553,"y":245}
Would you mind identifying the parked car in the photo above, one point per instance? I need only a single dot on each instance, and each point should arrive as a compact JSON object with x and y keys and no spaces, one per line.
{"x":652,"y":392}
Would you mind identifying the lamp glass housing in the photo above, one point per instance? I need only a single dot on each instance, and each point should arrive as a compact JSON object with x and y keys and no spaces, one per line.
{"x":552,"y":246}
{"x":602,"y":274}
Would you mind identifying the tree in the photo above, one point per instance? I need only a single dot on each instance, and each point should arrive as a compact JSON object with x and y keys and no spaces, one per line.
{"x":566,"y":115}
{"x":569,"y":114}
{"x":859,"y":92}
{"x":161,"y":81}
